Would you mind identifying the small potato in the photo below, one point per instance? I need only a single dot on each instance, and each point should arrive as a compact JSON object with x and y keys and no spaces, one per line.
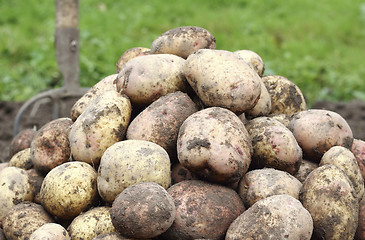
{"x":103,"y":123}
{"x":275,"y":217}
{"x":214,"y":144}
{"x":316,"y":131}
{"x":104,"y":85}
{"x":50,"y":146}
{"x":263,"y":105}
{"x":22,"y":159}
{"x":132,"y":161}
{"x":23,"y":219}
{"x":50,"y":231}
{"x":223,"y":79}
{"x":286,"y":97}
{"x":91,"y":223}
{"x":262,"y":183}
{"x":203,"y":210}
{"x":253,"y":59}
{"x":69,"y":189}
{"x":358,"y":149}
{"x":329,"y":196}
{"x":129,"y":54}
{"x":305,"y":168}
{"x":182,"y":41}
{"x":21,"y":141}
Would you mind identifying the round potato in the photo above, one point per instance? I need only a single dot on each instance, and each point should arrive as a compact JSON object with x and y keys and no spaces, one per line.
{"x":22,"y":159}
{"x":50,"y":231}
{"x":129,"y":54}
{"x":305,"y":168}
{"x":358,"y":149}
{"x":21,"y":141}
{"x":253,"y":59}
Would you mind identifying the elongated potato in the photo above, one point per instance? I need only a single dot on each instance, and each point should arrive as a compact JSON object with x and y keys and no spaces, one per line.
{"x":103,"y":123}
{"x":129,"y":54}
{"x":253,"y":59}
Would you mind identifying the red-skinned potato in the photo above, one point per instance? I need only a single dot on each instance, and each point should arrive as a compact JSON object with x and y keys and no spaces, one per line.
{"x":358,"y":149}
{"x":129,"y":54}
{"x":253,"y":59}
{"x":21,"y":141}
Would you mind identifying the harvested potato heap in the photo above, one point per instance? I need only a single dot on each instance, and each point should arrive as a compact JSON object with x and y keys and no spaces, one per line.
{"x":186,"y":141}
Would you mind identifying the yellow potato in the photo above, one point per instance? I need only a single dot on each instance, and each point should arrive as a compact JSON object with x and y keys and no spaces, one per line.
{"x":22,"y":159}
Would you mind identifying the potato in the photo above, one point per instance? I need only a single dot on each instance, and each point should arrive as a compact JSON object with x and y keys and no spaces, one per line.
{"x":273,"y":145}
{"x":263,"y":105}
{"x":91,"y":223}
{"x":286,"y":97}
{"x":50,"y":146}
{"x":21,"y":141}
{"x":104,"y":85}
{"x":146,"y":78}
{"x":329,"y":196}
{"x":21,"y":159}
{"x":182,"y":41}
{"x":345,"y":159}
{"x":23,"y":219}
{"x":262,"y":183}
{"x":35,"y":180}
{"x":275,"y":217}
{"x":129,"y":54}
{"x":69,"y":189}
{"x":203,"y":210}
{"x":253,"y":60}
{"x":132,"y":161}
{"x":14,"y":189}
{"x":160,"y":122}
{"x":305,"y":168}
{"x":179,"y":173}
{"x":358,"y":149}
{"x":111,"y":236}
{"x":50,"y":231}
{"x":3,"y":165}
{"x":214,"y":144}
{"x":143,"y":210}
{"x":223,"y":79}
{"x":103,"y":123}
{"x":318,"y":130}
{"x":360,"y":231}
{"x":281,"y":117}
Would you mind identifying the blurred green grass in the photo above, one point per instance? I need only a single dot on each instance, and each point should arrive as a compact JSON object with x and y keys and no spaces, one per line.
{"x":319,"y":45}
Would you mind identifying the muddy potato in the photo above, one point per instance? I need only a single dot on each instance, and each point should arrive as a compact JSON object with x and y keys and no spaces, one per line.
{"x":316,"y":131}
{"x":345,"y":159}
{"x":129,"y":54}
{"x":214,"y":144}
{"x":103,"y":123}
{"x":35,"y":180}
{"x":358,"y":149}
{"x":50,"y":231}
{"x":132,"y":161}
{"x":111,"y":236}
{"x":23,"y":219}
{"x":360,"y":231}
{"x":223,"y":79}
{"x":286,"y":97}
{"x":305,"y":168}
{"x":275,"y":217}
{"x":281,"y":117}
{"x":253,"y":59}
{"x":329,"y":196}
{"x":182,"y":41}
{"x":21,"y":141}
{"x":180,"y":173}
{"x":263,"y":105}
{"x":22,"y":159}
{"x":69,"y":189}
{"x":262,"y":183}
{"x":273,"y":145}
{"x":104,"y":85}
{"x":203,"y":210}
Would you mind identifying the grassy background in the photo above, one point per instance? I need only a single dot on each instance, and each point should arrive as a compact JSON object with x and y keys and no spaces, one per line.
{"x":319,"y":45}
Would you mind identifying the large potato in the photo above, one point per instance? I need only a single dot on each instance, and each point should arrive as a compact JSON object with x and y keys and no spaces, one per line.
{"x":182,"y":41}
{"x":275,"y":217}
{"x":132,"y":161}
{"x":50,"y":231}
{"x":329,"y":196}
{"x":103,"y":123}
{"x":253,"y":59}
{"x":223,"y":79}
{"x":214,"y":144}
{"x":129,"y":54}
{"x":358,"y":149}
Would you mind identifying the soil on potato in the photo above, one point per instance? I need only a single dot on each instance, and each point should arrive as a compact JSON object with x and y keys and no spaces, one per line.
{"x":353,"y":112}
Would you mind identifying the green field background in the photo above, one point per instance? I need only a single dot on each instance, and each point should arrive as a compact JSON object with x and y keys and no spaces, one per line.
{"x":319,"y":45}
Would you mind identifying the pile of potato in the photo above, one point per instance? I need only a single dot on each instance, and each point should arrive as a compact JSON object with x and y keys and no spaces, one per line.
{"x":187,"y":142}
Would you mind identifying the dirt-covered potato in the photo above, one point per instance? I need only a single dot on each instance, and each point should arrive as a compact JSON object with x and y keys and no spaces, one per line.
{"x":160,"y":122}
{"x":275,"y":217}
{"x":203,"y":210}
{"x":281,"y":117}
{"x":180,"y":173}
{"x":263,"y":105}
{"x":69,"y":189}
{"x":132,"y":161}
{"x":182,"y":41}
{"x":21,"y":159}
{"x":143,"y":210}
{"x":91,"y":223}
{"x":103,"y":123}
{"x":14,"y":189}
{"x":262,"y":183}
{"x":305,"y":168}
{"x":35,"y":180}
{"x":21,"y":141}
{"x":214,"y":144}
{"x":222,"y":79}
{"x":329,"y":196}
{"x":273,"y":145}
{"x":318,"y":130}
{"x":104,"y":85}
{"x":146,"y":78}
{"x":286,"y":97}
{"x":358,"y":149}
{"x":50,"y":231}
{"x":129,"y":54}
{"x":343,"y":158}
{"x":253,"y":59}
{"x":111,"y":236}
{"x":23,"y":219}
{"x":360,"y":231}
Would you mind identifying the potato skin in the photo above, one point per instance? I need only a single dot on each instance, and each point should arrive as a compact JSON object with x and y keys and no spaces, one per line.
{"x":223,"y":79}
{"x":305,"y":168}
{"x":129,"y":54}
{"x":329,"y":196}
{"x":50,"y":231}
{"x":263,"y":105}
{"x":253,"y":59}
{"x":214,"y":144}
{"x":275,"y":217}
{"x":358,"y":149}
{"x":360,"y":231}
{"x":22,"y":159}
{"x":182,"y":41}
{"x":21,"y":141}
